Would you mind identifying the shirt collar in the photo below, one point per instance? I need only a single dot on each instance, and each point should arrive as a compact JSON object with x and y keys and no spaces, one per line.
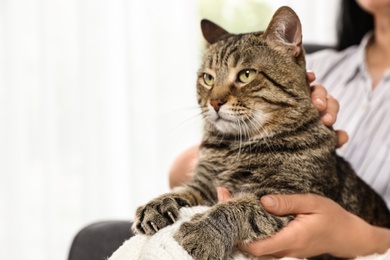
{"x":359,"y":67}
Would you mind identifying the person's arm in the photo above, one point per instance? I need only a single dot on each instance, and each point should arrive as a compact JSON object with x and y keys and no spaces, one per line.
{"x":321,"y":226}
{"x":183,"y":167}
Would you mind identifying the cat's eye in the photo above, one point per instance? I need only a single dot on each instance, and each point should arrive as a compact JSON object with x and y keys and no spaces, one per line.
{"x":247,"y":75}
{"x":208,"y":79}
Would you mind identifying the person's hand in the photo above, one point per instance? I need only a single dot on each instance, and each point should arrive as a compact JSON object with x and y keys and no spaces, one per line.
{"x":321,"y":226}
{"x":328,"y":107}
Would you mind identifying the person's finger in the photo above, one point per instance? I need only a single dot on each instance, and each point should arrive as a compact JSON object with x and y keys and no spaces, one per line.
{"x":310,"y":76}
{"x":318,"y":97}
{"x":283,"y":243}
{"x":223,"y":194}
{"x":274,"y":245}
{"x":329,"y":115}
{"x":342,"y":138}
{"x":290,"y":204}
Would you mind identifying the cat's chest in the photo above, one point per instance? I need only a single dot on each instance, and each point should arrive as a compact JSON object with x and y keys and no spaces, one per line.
{"x":239,"y":165}
{"x":248,"y":155}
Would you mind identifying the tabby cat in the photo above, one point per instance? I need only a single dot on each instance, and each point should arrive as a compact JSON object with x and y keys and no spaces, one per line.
{"x":262,"y":135}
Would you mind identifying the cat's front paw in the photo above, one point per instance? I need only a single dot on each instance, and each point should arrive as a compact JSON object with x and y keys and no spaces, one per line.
{"x":202,"y":241}
{"x":158,"y":213}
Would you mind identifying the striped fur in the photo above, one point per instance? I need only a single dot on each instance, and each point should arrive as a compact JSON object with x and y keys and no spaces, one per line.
{"x":261,"y":137}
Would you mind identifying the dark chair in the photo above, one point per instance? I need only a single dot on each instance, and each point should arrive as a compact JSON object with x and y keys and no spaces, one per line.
{"x":310,"y":48}
{"x":98,"y":241}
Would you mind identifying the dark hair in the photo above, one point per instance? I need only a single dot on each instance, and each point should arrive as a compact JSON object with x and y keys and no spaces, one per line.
{"x":353,"y":24}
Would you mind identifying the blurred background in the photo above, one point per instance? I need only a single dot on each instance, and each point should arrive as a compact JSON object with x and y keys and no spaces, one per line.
{"x":97,"y":98}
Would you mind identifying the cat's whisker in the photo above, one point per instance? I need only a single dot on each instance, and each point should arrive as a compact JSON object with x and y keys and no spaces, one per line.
{"x":218,"y":135}
{"x":239,"y":138}
{"x":242,"y":133}
{"x":262,"y":131}
{"x":188,"y":118}
{"x":247,"y":132}
{"x":182,"y":130}
{"x":181,"y":109}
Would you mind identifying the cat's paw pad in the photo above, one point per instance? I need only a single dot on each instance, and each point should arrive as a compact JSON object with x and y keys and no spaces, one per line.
{"x":157,"y":214}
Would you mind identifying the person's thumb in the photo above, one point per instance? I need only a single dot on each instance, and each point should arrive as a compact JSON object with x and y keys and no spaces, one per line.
{"x":283,"y":204}
{"x":223,"y":194}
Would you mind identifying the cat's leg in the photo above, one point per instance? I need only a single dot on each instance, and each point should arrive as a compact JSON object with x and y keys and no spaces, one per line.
{"x":213,"y":234}
{"x":164,"y":210}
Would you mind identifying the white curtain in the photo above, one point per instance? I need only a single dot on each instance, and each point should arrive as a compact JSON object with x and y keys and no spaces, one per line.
{"x":94,"y":98}
{"x":97,"y":97}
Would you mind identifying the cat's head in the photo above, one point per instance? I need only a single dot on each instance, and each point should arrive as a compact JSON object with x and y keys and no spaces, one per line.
{"x":249,"y":83}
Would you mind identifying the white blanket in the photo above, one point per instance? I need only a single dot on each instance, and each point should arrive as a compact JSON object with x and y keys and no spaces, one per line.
{"x":163,"y":246}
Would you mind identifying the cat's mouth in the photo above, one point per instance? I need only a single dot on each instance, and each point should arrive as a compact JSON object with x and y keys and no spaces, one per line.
{"x":221,"y":116}
{"x":228,"y":123}
{"x":222,"y":119}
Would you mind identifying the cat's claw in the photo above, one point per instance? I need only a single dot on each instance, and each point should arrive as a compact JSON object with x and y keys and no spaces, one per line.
{"x":171,"y":217}
{"x":154,"y":226}
{"x":143,"y":226}
{"x":158,"y":213}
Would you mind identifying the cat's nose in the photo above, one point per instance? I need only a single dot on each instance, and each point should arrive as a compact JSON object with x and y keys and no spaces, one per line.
{"x":217,"y":103}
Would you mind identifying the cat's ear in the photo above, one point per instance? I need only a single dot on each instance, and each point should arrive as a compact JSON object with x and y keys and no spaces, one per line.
{"x":285,"y":27}
{"x":211,"y":31}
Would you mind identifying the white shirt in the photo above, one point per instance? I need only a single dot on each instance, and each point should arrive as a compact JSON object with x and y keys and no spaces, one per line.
{"x":364,"y":112}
